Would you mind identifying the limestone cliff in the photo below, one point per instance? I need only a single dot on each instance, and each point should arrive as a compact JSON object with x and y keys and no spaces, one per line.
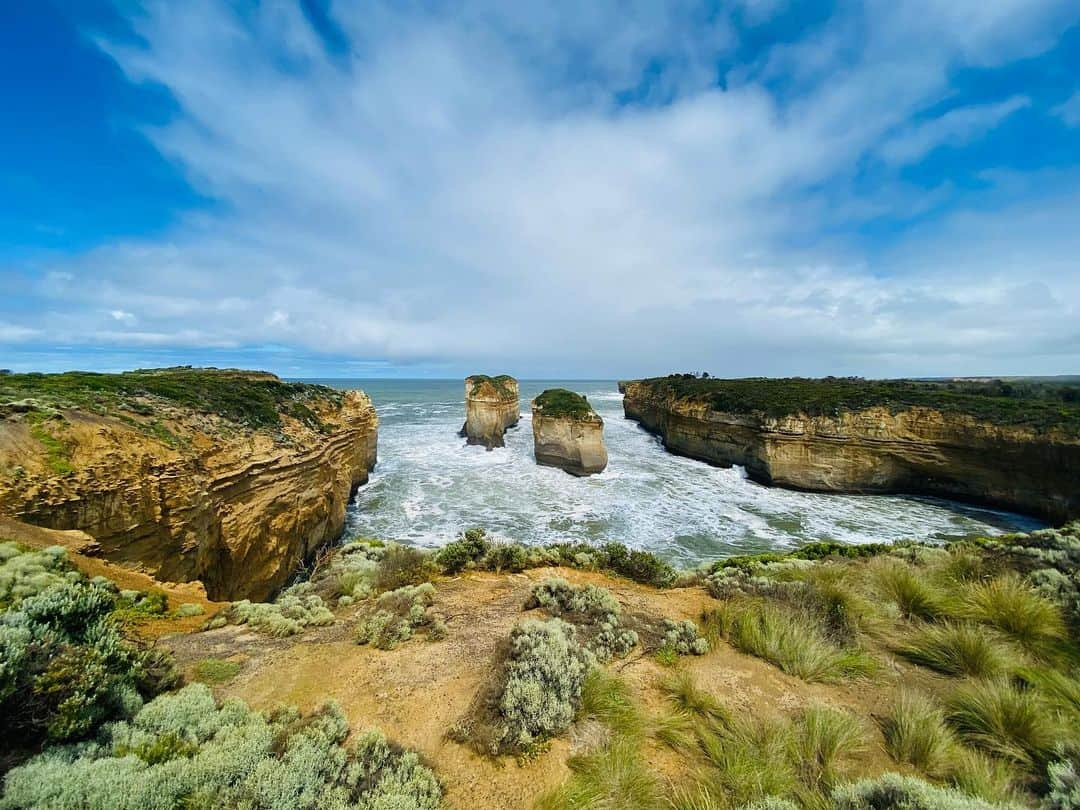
{"x":491,"y":406}
{"x":229,"y":478}
{"x":878,"y":449}
{"x":568,"y":433}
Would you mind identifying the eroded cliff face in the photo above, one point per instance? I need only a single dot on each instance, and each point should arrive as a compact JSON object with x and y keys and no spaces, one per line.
{"x":183,"y":496}
{"x":572,"y":443}
{"x":491,"y":406}
{"x":915,"y":451}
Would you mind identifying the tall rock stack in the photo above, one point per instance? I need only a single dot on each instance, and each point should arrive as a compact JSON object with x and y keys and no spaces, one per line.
{"x":568,"y":433}
{"x":491,"y":406}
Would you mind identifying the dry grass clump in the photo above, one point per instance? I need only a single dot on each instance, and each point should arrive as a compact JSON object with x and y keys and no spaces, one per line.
{"x":788,"y":639}
{"x":959,"y":649}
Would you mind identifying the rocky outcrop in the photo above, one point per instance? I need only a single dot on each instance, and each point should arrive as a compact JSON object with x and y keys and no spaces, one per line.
{"x":910,"y":450}
{"x":568,"y":433}
{"x":491,"y":406}
{"x":235,"y":501}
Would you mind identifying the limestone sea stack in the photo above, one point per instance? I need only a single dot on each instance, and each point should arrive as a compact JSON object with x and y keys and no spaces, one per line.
{"x":568,"y":433}
{"x":491,"y":406}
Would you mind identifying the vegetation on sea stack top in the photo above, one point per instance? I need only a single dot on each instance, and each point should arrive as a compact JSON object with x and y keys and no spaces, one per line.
{"x":498,"y":383}
{"x":1039,"y":404}
{"x":560,"y":402}
{"x":253,"y":398}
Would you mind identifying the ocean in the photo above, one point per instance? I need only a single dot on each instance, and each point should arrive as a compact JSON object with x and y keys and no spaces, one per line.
{"x":429,"y":486}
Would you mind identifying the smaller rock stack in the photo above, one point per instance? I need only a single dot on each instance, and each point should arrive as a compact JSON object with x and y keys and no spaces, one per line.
{"x":568,"y":433}
{"x":491,"y":406}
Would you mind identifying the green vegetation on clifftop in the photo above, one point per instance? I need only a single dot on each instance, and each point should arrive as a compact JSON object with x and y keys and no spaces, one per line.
{"x":1020,"y":403}
{"x":560,"y":402}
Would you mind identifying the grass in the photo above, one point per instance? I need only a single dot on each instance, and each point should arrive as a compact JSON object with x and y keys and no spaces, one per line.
{"x":498,"y":383}
{"x":823,"y":738}
{"x":915,"y":732}
{"x":57,"y":451}
{"x":1005,"y":720}
{"x":789,"y":640}
{"x":682,"y":690}
{"x":560,"y":402}
{"x":1023,"y":404}
{"x":959,"y":649}
{"x":215,"y":671}
{"x":915,"y":597}
{"x":1012,"y":606}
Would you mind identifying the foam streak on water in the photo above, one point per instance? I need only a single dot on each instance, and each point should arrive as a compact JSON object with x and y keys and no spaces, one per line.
{"x":429,"y":485}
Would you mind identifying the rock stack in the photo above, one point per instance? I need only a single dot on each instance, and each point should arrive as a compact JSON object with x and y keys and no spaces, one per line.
{"x":491,"y":406}
{"x":568,"y":433}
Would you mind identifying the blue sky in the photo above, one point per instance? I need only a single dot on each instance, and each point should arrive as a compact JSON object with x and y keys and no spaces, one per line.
{"x":325,"y":188}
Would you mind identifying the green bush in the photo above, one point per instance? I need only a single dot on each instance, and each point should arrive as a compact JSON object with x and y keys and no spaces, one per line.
{"x":1064,"y":793}
{"x":594,"y":610}
{"x":683,"y":638}
{"x":189,"y":609}
{"x":65,"y":668}
{"x":293,"y":611}
{"x":25,"y":573}
{"x":403,"y":565}
{"x":182,"y":750}
{"x":506,"y":557}
{"x":465,"y":552}
{"x":545,"y":671}
{"x":399,"y":613}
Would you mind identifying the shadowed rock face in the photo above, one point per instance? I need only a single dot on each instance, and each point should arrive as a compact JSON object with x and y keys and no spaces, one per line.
{"x":491,"y":406}
{"x":915,"y":450}
{"x":186,"y":495}
{"x":571,"y":439}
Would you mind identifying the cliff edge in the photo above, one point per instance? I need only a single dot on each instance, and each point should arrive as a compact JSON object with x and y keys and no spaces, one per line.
{"x":1003,"y":447}
{"x":491,"y":406}
{"x":232,"y":478}
{"x":568,"y":433}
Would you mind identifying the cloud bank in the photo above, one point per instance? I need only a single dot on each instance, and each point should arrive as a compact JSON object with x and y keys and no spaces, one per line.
{"x":558,"y":189}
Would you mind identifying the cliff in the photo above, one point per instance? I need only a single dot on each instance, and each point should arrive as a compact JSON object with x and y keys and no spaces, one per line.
{"x":491,"y":406}
{"x":1024,"y":459}
{"x":568,"y":433}
{"x":230,"y":478}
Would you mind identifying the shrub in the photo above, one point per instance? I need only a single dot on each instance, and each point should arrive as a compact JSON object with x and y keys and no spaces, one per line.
{"x":290,"y":614}
{"x":65,"y":669}
{"x":464,"y":552}
{"x":1013,"y":606}
{"x":1064,"y":793}
{"x":399,"y":613}
{"x":683,"y":638}
{"x":594,"y":610}
{"x":544,"y":675}
{"x":183,"y":751}
{"x":1006,"y":721}
{"x":353,"y":569}
{"x":26,"y":573}
{"x":958,"y":649}
{"x":902,"y":793}
{"x":789,"y":641}
{"x":506,"y":557}
{"x":402,"y":565}
{"x":189,"y":609}
{"x":915,"y":732}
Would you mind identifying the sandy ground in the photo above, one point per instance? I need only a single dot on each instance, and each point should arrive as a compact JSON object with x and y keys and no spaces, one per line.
{"x":417,"y":691}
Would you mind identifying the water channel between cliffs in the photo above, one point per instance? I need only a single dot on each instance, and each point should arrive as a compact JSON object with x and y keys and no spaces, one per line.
{"x":428,"y":486}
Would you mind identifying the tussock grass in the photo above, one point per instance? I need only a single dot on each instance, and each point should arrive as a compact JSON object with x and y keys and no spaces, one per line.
{"x":751,"y":760}
{"x":1006,"y":721}
{"x":683,"y":691}
{"x":821,"y":739}
{"x":912,"y":593}
{"x":614,"y":777}
{"x":1011,"y":605}
{"x":980,"y":775}
{"x":959,"y":648}
{"x":677,"y":730}
{"x":607,"y":698}
{"x":215,"y":671}
{"x":915,"y":732}
{"x":789,"y":640}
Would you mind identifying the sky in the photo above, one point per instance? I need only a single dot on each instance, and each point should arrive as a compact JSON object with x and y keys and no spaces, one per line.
{"x":554,"y":189}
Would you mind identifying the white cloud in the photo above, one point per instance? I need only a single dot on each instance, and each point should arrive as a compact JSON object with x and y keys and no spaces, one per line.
{"x":467,"y":190}
{"x":1069,"y":110}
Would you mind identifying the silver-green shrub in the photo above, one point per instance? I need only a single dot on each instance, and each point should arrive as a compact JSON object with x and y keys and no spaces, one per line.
{"x":399,"y":613}
{"x":594,"y":610}
{"x":27,"y":573}
{"x":183,"y":750}
{"x":894,"y":792}
{"x":293,"y":611}
{"x":544,"y":674}
{"x":683,"y":638}
{"x":1064,"y":781}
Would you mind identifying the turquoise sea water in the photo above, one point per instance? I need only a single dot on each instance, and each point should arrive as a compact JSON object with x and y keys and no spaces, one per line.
{"x":429,"y":485}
